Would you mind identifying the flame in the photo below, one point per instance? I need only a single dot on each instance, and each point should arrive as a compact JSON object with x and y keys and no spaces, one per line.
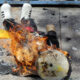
{"x":25,"y":48}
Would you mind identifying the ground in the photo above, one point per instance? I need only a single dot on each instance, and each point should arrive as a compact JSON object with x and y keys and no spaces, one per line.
{"x":67,"y":23}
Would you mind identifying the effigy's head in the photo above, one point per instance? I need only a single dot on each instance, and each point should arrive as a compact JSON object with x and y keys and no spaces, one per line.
{"x":52,"y":65}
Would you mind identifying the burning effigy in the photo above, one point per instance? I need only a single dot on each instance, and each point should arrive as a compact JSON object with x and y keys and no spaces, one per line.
{"x":34,"y":56}
{"x":33,"y":52}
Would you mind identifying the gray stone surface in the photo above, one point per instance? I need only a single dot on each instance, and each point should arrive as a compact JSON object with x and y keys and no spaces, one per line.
{"x":70,"y":34}
{"x":11,"y":77}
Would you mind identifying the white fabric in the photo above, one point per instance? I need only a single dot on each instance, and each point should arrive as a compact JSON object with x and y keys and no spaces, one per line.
{"x":26,"y":11}
{"x":6,"y":9}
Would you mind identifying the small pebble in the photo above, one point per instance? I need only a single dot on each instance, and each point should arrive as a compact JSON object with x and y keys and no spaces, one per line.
{"x":65,"y":16}
{"x":52,"y":12}
{"x":74,"y":48}
{"x":45,"y":9}
{"x":68,"y":38}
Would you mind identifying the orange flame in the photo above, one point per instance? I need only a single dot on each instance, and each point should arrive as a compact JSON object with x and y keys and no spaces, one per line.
{"x":25,"y":48}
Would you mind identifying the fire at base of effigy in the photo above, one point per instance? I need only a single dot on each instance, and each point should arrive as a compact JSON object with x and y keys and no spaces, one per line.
{"x":33,"y":55}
